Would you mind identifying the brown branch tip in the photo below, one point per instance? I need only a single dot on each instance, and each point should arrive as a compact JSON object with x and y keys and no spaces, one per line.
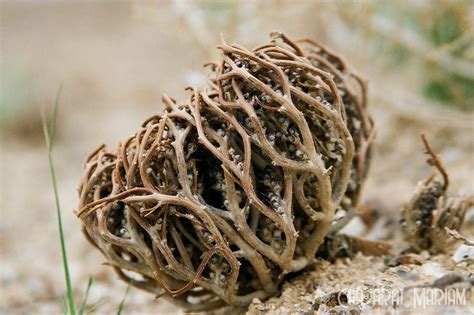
{"x":435,"y":161}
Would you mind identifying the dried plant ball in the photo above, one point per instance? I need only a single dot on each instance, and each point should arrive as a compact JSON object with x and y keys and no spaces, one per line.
{"x":215,"y":199}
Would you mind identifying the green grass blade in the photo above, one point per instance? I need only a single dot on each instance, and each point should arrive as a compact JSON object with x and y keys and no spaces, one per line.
{"x":63,"y":303}
{"x":122,"y":303}
{"x":83,"y":304}
{"x":49,"y":137}
{"x":45,"y":130}
{"x":92,"y":308}
{"x":54,"y":119}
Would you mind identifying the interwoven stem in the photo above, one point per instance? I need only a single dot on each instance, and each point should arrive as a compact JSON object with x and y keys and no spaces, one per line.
{"x":217,"y":198}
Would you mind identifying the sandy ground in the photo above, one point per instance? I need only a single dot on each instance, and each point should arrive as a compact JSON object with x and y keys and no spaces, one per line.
{"x":374,"y":288}
{"x":114,"y":62}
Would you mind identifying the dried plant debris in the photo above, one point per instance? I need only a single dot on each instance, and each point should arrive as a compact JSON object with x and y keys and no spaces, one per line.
{"x":406,"y":259}
{"x":430,"y":211}
{"x":215,"y":199}
{"x":347,"y":246}
{"x":455,"y":234}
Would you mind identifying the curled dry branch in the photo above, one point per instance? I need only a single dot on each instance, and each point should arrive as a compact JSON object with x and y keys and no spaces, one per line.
{"x":215,"y":199}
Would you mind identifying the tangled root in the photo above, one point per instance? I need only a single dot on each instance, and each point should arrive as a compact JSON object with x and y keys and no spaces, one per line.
{"x":215,"y":199}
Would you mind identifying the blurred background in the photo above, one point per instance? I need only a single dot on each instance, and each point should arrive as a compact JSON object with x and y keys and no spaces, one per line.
{"x":114,"y":60}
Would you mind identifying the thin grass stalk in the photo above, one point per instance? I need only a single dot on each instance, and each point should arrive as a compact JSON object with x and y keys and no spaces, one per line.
{"x":50,"y":135}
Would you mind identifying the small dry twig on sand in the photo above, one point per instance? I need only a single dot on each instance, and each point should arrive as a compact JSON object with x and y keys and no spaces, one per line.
{"x":214,"y":200}
{"x":455,"y":234}
{"x":347,"y":246}
{"x":430,"y":211}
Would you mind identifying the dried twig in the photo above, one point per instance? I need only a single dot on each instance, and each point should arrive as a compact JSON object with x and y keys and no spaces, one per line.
{"x":455,"y":234}
{"x":436,"y":162}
